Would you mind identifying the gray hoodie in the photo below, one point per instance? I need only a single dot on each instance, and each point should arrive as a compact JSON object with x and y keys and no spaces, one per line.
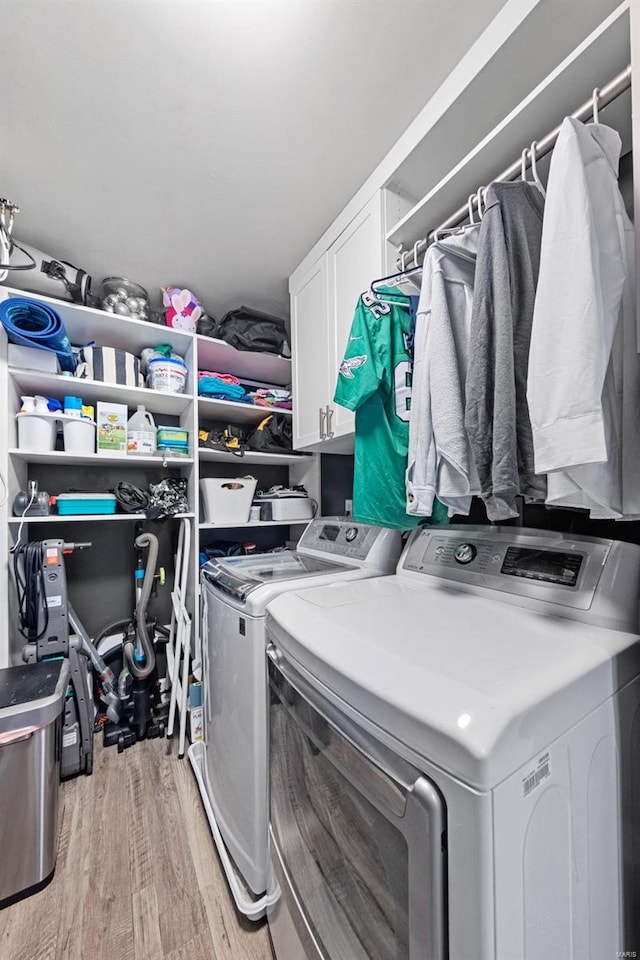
{"x":496,"y":411}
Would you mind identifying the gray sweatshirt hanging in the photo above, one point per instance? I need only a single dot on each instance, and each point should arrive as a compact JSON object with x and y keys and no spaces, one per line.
{"x":496,"y":411}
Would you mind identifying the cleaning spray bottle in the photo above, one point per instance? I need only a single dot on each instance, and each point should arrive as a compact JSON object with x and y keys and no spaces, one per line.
{"x":141,"y":433}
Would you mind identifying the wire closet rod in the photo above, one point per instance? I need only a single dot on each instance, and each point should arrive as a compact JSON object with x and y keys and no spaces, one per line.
{"x":599,"y":98}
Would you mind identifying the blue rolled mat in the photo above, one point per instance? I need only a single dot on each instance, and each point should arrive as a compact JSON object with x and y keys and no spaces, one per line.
{"x":34,"y":324}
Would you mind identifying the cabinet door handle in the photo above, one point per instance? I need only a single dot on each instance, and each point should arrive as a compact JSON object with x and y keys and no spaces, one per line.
{"x":323,"y":414}
{"x":330,"y":412}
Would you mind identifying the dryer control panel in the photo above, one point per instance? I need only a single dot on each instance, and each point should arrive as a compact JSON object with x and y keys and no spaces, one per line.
{"x":539,"y":564}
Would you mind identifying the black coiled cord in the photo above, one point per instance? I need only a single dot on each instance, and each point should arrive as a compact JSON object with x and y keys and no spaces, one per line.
{"x":132,"y":499}
{"x":28,"y":568}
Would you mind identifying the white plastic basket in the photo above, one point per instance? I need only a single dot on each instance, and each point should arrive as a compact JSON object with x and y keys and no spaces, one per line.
{"x":227,"y":500}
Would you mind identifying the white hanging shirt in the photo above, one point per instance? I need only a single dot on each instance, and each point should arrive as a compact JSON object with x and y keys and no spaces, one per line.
{"x":440,"y":462}
{"x":583,"y":387}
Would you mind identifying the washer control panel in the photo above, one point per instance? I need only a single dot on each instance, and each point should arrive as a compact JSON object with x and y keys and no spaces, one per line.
{"x":538,"y":564}
{"x":339,"y":538}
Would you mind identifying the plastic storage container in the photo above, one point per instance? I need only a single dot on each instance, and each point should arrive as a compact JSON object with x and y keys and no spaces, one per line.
{"x":31,"y":705}
{"x":173,"y":440}
{"x":36,"y":432}
{"x":167,"y":375}
{"x":227,"y":500}
{"x":79,"y":435}
{"x":78,"y":504}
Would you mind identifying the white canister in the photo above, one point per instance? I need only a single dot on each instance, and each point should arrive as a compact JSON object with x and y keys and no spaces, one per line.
{"x":167,"y":374}
{"x":37,"y":433}
{"x":254,"y":514}
{"x":79,"y":436}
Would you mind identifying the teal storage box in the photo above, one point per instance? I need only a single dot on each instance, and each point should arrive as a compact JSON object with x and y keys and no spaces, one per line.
{"x":173,"y":440}
{"x":77,"y":504}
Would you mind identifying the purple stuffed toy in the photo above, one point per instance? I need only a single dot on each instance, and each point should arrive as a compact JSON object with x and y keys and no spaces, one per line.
{"x":181,"y":309}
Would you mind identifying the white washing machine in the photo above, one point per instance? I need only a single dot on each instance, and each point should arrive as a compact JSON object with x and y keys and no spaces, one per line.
{"x":231,"y":764}
{"x":455,"y":754}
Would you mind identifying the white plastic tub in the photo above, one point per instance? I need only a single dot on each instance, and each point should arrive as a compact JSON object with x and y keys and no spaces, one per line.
{"x":227,"y":500}
{"x":79,"y":435}
{"x":36,"y":432}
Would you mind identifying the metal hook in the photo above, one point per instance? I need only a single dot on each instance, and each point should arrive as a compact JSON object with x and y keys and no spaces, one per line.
{"x":595,"y":98}
{"x":470,"y":207}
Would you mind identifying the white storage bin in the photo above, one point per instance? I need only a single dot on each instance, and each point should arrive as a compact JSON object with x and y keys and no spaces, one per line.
{"x":37,"y":432}
{"x":227,"y":500}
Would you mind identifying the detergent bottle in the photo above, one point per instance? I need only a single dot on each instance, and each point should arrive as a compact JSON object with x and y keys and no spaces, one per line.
{"x":141,"y":433}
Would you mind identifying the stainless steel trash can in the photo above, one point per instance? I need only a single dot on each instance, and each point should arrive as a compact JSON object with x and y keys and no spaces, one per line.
{"x":31,"y":706}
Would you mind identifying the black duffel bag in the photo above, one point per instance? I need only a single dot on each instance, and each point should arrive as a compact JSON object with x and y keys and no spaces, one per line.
{"x":247,"y":329}
{"x":272,"y":435}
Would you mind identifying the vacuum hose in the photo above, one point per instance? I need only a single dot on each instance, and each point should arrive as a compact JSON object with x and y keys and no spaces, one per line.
{"x":138,"y":671}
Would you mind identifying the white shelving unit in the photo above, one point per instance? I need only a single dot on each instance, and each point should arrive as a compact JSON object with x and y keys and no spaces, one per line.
{"x":254,"y":526}
{"x":87,"y":325}
{"x":600,"y":56}
{"x":220,"y":357}
{"x":253,"y":457}
{"x":31,"y":382}
{"x":89,"y":518}
{"x":209,"y":409}
{"x":122,"y":459}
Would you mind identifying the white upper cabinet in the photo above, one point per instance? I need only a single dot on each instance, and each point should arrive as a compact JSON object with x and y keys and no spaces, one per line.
{"x":310,"y":353}
{"x":355,"y":259}
{"x":323,"y":301}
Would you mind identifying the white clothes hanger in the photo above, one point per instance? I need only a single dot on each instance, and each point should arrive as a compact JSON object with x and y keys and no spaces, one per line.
{"x":536,"y":182}
{"x":595,"y":96}
{"x":534,"y":168}
{"x":481,"y":198}
{"x":451,"y":231}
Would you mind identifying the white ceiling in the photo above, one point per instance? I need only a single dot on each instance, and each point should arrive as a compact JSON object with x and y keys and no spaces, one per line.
{"x":209,"y":144}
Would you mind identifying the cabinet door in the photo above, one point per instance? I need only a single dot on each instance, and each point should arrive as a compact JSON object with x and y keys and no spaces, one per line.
{"x":310,"y":353}
{"x":355,"y":259}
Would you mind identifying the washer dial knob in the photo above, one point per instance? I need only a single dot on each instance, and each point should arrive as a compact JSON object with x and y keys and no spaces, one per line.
{"x":464,"y":553}
{"x":350,"y":534}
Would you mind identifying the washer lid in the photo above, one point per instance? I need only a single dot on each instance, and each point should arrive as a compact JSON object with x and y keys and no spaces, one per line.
{"x":239,"y":576}
{"x":474,"y":685}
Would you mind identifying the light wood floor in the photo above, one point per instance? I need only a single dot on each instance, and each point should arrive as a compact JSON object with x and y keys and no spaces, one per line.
{"x":137,"y":876}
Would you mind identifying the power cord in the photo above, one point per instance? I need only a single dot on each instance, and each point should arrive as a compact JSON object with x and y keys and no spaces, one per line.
{"x":132,"y":499}
{"x":8,"y":211}
{"x":17,"y":544}
{"x":28,"y":568}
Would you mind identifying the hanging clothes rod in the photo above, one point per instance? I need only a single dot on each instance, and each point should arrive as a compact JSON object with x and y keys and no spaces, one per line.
{"x":599,"y":98}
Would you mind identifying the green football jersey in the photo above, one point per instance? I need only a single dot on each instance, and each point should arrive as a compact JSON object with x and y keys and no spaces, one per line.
{"x":375,"y":381}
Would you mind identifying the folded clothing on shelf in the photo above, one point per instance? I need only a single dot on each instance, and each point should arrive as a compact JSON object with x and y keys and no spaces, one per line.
{"x":221,"y":387}
{"x":272,"y":397}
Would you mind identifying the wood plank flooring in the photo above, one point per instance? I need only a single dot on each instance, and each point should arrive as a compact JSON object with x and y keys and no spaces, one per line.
{"x":137,"y":877}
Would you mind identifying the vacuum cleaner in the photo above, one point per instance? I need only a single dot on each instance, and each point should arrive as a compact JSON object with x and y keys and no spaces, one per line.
{"x":142,"y":713}
{"x":47,"y":620}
